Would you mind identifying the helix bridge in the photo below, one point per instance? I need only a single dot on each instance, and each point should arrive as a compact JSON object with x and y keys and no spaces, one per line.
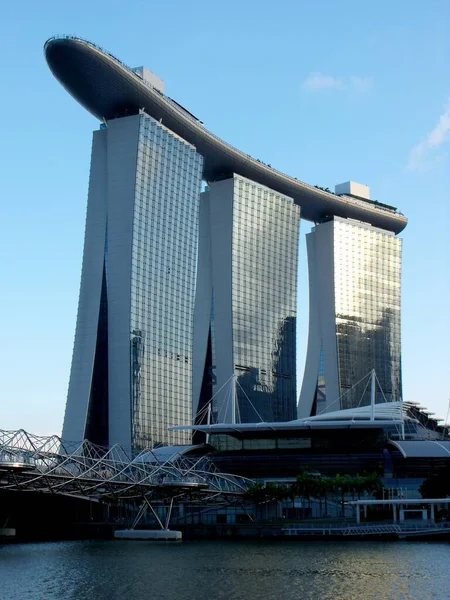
{"x":162,"y":476}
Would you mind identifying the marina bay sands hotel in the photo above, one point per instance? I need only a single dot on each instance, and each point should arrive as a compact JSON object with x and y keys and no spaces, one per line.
{"x":189,"y":274}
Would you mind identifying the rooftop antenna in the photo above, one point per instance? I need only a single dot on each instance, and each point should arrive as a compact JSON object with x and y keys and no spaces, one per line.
{"x":208,"y":420}
{"x":372,"y":396}
{"x":446,"y":423}
{"x":233,"y":400}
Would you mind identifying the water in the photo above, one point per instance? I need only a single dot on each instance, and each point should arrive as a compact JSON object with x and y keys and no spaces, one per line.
{"x":109,"y":570}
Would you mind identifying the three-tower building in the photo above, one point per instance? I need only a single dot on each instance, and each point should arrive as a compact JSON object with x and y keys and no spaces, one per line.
{"x":182,"y":291}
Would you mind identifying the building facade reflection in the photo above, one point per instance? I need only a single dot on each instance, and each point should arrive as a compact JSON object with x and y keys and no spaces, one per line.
{"x":246,"y":301}
{"x":131,"y":372}
{"x":355,"y":300}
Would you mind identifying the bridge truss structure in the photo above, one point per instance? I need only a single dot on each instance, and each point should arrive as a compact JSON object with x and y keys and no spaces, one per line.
{"x":31,"y":463}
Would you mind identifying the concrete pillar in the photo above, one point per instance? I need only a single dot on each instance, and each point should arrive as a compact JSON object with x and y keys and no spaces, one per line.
{"x":358,"y":514}
{"x":394,"y":509}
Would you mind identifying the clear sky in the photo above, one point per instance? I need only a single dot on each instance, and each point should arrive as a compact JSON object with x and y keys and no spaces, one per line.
{"x":324,"y":90}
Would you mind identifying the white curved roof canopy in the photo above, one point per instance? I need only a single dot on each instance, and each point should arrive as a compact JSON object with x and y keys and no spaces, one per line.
{"x":164,"y":454}
{"x":423,"y":448}
{"x":384,"y":411}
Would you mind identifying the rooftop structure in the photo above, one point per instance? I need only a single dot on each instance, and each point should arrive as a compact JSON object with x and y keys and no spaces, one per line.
{"x":399,"y":420}
{"x":351,"y":188}
{"x":108,"y":88}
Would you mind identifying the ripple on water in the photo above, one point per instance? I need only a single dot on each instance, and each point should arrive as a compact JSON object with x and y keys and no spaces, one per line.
{"x":102,"y":570}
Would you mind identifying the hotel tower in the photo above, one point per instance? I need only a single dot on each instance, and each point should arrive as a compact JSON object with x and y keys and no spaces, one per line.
{"x":184,"y":291}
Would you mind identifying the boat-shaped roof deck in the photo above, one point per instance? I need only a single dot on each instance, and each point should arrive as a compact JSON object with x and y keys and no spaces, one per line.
{"x":108,"y":89}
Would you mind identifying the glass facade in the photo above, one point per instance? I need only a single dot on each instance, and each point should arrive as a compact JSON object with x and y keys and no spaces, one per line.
{"x":321,"y":391}
{"x":163,"y":273}
{"x":367,"y":280}
{"x":264,"y":296}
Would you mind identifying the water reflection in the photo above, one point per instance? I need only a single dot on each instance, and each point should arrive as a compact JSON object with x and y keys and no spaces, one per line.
{"x":225,"y":570}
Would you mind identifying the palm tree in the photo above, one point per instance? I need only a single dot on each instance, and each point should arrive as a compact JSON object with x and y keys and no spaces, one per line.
{"x":259,"y":494}
{"x":358,"y":485}
{"x":322,"y":486}
{"x":254,"y":495}
{"x":304,"y":486}
{"x":373,"y":483}
{"x":342,"y":484}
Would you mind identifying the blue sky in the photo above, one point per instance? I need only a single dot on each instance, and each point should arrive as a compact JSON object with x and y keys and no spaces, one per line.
{"x":325,"y":91}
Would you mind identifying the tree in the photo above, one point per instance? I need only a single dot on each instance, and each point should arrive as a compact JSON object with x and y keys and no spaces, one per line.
{"x":342,"y":484}
{"x":304,"y":486}
{"x":358,"y":485}
{"x":372,"y":483}
{"x":436,"y":486}
{"x":322,"y":485}
{"x":254,"y":495}
{"x":259,"y":494}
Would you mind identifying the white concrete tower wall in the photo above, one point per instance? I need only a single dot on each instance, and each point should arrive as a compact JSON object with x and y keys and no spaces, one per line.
{"x":221,"y":199}
{"x":203,"y":296}
{"x":322,"y":329}
{"x":309,"y":382}
{"x":214,"y":283}
{"x":109,"y":224}
{"x":90,"y":292}
{"x":326,"y":280}
{"x":123,"y":135}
